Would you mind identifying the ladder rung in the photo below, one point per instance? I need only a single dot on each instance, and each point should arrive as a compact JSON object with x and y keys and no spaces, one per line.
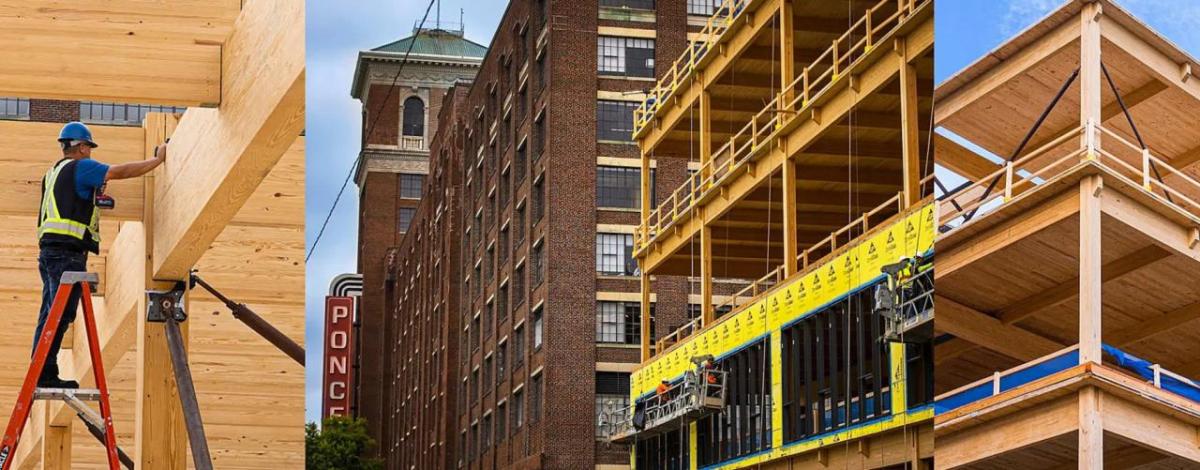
{"x":84,"y":394}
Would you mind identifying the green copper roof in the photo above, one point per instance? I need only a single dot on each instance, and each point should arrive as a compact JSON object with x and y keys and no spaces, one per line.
{"x":436,"y":42}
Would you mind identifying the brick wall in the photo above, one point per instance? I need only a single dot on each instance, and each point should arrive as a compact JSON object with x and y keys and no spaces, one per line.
{"x":53,"y":110}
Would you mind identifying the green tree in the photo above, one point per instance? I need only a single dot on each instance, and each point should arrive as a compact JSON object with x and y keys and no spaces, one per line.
{"x":340,"y":443}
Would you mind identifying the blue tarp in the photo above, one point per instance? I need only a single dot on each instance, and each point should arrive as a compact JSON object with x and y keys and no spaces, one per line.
{"x":1008,"y":382}
{"x":1143,"y":368}
{"x":1062,"y":362}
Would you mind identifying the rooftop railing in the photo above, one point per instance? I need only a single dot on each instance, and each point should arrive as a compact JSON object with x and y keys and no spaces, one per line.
{"x":1137,"y":165}
{"x":814,"y":80}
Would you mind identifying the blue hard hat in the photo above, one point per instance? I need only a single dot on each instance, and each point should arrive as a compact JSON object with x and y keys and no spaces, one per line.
{"x":76,"y":130}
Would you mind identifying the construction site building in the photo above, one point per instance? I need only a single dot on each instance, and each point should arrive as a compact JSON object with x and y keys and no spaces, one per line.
{"x":806,"y":128}
{"x":547,"y":169}
{"x":400,"y":85}
{"x":1068,"y":264}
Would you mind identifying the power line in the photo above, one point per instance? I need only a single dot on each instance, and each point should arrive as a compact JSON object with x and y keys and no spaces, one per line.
{"x":370,"y":132}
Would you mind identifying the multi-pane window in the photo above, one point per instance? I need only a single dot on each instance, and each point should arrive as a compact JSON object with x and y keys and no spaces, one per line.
{"x":535,"y":398}
{"x":487,"y":433}
{"x":487,"y":319}
{"x":518,"y":410}
{"x":520,"y":161}
{"x":518,"y":225}
{"x":501,"y":359}
{"x":462,"y":447}
{"x":614,"y":120}
{"x":14,"y":108}
{"x":702,"y":7}
{"x":502,"y":304}
{"x":474,"y":439}
{"x":518,"y":282}
{"x":537,"y":328}
{"x":612,"y":396}
{"x":476,"y":338}
{"x":620,"y":322}
{"x":120,"y":113}
{"x":614,"y":254}
{"x":628,"y":57}
{"x":537,"y":262}
{"x":539,"y":137}
{"x":518,"y":351}
{"x":620,"y":187}
{"x":414,"y":117}
{"x":501,"y":418}
{"x":539,"y":200}
{"x":404,"y":216}
{"x":474,"y":385}
{"x":487,"y":373}
{"x":636,"y":4}
{"x":410,"y":185}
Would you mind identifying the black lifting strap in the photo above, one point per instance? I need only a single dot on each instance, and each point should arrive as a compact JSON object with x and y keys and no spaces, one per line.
{"x":1029,"y":135}
{"x":1129,"y":117}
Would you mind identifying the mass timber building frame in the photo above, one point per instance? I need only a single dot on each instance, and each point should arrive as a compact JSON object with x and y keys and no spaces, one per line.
{"x":229,"y":201}
{"x":1082,"y":257}
{"x":807,"y":126}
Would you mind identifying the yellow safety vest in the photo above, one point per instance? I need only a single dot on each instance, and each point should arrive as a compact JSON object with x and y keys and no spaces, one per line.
{"x":51,"y":222}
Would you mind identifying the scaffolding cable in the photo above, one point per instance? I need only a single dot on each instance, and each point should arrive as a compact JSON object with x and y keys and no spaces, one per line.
{"x":1136,"y":134}
{"x":1025,"y":141}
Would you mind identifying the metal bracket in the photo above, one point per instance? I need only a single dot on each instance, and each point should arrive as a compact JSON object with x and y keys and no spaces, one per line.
{"x":164,"y":304}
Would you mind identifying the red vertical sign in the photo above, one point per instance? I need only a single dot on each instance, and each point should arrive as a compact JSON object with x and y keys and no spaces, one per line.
{"x":339,"y":357}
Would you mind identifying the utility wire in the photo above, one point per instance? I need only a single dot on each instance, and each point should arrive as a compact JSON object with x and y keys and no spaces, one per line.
{"x":370,"y":132}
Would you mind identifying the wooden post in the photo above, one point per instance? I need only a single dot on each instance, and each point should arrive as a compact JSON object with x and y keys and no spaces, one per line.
{"x":791,"y":248}
{"x":1090,"y":300}
{"x":787,"y":51}
{"x":645,"y":316}
{"x":160,"y":435}
{"x":705,"y":135}
{"x":56,"y":445}
{"x":910,"y":126}
{"x":706,"y":293}
{"x":1089,"y":76}
{"x":1091,"y":430}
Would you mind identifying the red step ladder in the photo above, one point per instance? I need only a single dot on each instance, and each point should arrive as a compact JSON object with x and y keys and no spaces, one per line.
{"x":101,"y":426}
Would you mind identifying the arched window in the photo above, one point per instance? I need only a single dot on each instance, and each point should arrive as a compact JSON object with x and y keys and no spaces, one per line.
{"x":414,"y":117}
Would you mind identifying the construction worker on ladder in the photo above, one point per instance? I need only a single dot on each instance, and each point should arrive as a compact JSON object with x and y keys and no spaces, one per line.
{"x":69,"y":226}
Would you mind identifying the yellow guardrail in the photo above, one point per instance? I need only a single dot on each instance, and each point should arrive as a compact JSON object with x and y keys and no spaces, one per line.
{"x":794,"y":98}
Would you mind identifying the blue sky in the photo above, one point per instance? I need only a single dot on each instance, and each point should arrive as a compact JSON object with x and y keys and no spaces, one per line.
{"x":336,"y":32}
{"x":965,"y":30}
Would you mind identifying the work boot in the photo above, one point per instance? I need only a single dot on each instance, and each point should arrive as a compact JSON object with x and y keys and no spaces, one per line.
{"x":49,"y":379}
{"x":55,"y":382}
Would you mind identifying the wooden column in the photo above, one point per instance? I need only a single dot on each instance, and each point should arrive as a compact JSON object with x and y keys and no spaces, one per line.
{"x":705,"y":134}
{"x":1090,"y":300}
{"x":706,"y":284}
{"x":1089,"y":76}
{"x":787,"y":51}
{"x":160,"y":435}
{"x":644,"y":232}
{"x":910,"y":128}
{"x":1091,"y":430}
{"x":787,"y":72}
{"x":56,"y":446}
{"x":646,"y":339}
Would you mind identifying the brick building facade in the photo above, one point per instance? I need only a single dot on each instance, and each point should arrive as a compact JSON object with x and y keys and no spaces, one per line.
{"x":397,"y":125}
{"x":534,"y":281}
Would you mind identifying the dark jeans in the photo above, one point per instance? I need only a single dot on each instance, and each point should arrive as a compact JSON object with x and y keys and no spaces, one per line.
{"x":52,"y":263}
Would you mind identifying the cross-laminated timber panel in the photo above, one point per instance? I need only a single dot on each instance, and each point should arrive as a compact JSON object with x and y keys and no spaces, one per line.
{"x":127,"y":51}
